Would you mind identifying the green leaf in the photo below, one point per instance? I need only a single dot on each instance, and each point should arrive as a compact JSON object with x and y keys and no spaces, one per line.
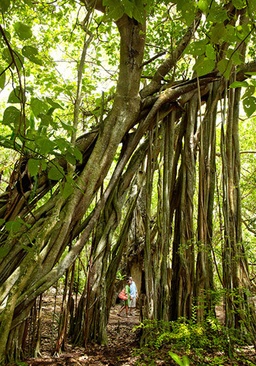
{"x":16,"y":96}
{"x":198,"y":48}
{"x":128,"y":7}
{"x":250,"y":90}
{"x":54,"y":104}
{"x":33,"y":167}
{"x":252,"y":6}
{"x":115,"y":9}
{"x":188,"y":12}
{"x":15,"y":59}
{"x":45,"y":145}
{"x":28,"y":2}
{"x":239,"y":84}
{"x":13,"y":226}
{"x":70,"y":158}
{"x":236,"y":56}
{"x":62,"y":144}
{"x":23,"y":31}
{"x":11,"y":116}
{"x":176,"y":358}
{"x":217,"y":33}
{"x":239,"y":4}
{"x":78,"y":155}
{"x":46,"y":120}
{"x":230,"y":34}
{"x":253,"y":82}
{"x":250,"y":73}
{"x":203,"y":6}
{"x":249,"y":105}
{"x":139,"y":11}
{"x":210,"y":52}
{"x":7,"y":56}
{"x":67,"y":190}
{"x":31,"y":53}
{"x":56,"y":172}
{"x":217,"y":13}
{"x":3,"y":251}
{"x":38,"y":106}
{"x":203,"y":66}
{"x":185,"y":361}
{"x":2,"y":78}
{"x":4,"y":5}
{"x":224,"y":66}
{"x":67,"y":127}
{"x":6,"y":142}
{"x":116,"y":13}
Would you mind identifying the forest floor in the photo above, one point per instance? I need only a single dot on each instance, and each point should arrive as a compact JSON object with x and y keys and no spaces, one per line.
{"x":123,"y":342}
{"x":119,"y":351}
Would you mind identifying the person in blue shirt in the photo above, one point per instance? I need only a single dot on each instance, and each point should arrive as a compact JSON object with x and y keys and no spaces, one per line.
{"x":133,"y":296}
{"x":126,"y":303}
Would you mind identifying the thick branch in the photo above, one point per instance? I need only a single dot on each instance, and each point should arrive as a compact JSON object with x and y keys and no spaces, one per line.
{"x":171,"y":61}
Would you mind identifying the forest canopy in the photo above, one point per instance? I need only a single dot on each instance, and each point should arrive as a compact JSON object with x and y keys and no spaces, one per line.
{"x":127,"y":147}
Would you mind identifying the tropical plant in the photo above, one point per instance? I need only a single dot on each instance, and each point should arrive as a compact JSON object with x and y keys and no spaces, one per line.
{"x":118,"y":116}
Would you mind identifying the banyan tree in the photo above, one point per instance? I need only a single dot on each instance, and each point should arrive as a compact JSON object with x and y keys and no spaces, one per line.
{"x":129,"y":150}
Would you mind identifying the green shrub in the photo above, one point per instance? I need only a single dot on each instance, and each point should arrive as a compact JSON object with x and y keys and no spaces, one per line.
{"x":206,"y":343}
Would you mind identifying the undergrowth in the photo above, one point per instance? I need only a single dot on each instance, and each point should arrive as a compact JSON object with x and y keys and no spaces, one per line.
{"x":186,"y":342}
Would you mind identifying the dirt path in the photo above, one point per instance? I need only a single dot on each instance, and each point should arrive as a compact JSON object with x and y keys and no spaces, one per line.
{"x":122,"y":341}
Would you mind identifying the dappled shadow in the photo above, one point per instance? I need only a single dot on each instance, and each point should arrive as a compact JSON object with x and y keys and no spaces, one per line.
{"x":119,"y":351}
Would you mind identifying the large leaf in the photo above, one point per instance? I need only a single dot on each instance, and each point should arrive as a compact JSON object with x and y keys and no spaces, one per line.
{"x":11,"y":116}
{"x":33,"y":166}
{"x":239,"y":84}
{"x":28,"y":2}
{"x":203,"y":66}
{"x":187,"y":8}
{"x":2,"y":78}
{"x":197,"y":48}
{"x":224,"y":66}
{"x":217,"y":33}
{"x":250,"y":90}
{"x":139,"y":11}
{"x":203,"y":5}
{"x":15,"y":59}
{"x":16,"y":96}
{"x":115,"y":9}
{"x":217,"y":13}
{"x":53,"y":103}
{"x":252,"y":6}
{"x":239,"y":4}
{"x":249,"y":105}
{"x":210,"y":52}
{"x":31,"y":53}
{"x":184,"y":361}
{"x":68,"y":189}
{"x":4,"y":5}
{"x":23,"y":31}
{"x":45,"y":145}
{"x":116,"y":12}
{"x":38,"y":106}
{"x":55,"y":172}
{"x":78,"y":155}
{"x":13,"y":226}
{"x":128,"y":7}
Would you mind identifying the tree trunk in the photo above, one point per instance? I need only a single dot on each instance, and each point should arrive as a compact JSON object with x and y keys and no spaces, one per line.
{"x":183,"y":242}
{"x":207,"y":176}
{"x":235,"y":268}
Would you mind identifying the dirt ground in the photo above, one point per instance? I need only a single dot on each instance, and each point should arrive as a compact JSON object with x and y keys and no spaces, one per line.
{"x":122,"y":341}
